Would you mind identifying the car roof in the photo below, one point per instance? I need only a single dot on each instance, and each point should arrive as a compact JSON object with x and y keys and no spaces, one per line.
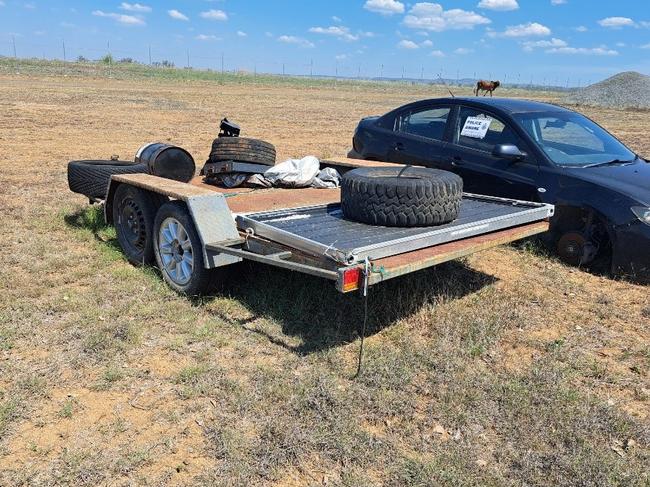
{"x":509,"y":105}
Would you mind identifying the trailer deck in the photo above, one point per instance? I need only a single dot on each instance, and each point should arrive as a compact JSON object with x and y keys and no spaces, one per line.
{"x":304,"y":229}
{"x":323,"y":229}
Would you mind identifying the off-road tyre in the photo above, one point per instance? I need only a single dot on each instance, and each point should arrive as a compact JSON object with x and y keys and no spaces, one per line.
{"x":134,"y":211}
{"x":243,"y":149}
{"x":401,"y":196}
{"x":91,"y":177}
{"x":201,"y":281}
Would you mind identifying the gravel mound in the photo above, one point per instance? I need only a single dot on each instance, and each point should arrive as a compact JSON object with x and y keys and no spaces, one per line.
{"x":624,"y":90}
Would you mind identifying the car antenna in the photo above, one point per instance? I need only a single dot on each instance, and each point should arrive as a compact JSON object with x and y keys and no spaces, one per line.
{"x":446,"y":85}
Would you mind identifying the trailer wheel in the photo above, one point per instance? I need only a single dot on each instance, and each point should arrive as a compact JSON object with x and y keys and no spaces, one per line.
{"x":134,"y":211}
{"x":243,"y":149}
{"x":178,"y":251}
{"x":401,"y":196}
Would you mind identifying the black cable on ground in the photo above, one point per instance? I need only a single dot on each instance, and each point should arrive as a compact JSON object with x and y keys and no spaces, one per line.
{"x":366,"y":276}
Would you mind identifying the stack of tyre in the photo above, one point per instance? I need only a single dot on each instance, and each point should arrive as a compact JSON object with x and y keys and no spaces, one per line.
{"x":258,"y":153}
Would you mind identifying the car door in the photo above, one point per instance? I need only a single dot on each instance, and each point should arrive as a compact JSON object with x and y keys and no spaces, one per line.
{"x":420,"y":134}
{"x":475,"y":134}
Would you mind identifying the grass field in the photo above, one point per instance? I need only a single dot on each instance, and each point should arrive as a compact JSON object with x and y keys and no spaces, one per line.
{"x":507,"y":368}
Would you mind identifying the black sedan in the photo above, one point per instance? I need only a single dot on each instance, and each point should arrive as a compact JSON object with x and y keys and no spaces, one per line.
{"x":530,"y":151}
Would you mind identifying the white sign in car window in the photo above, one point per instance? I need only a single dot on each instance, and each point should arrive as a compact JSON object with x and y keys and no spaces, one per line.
{"x":476,"y":127}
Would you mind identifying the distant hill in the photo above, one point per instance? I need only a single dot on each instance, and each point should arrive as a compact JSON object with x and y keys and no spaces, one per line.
{"x":624,"y":90}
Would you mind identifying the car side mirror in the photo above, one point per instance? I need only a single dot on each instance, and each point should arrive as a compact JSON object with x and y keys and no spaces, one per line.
{"x":508,"y":151}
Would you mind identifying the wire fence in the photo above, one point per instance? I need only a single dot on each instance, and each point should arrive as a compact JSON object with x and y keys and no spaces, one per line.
{"x":21,"y":50}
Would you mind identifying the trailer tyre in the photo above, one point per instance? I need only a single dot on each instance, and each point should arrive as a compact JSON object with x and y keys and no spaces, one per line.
{"x":134,"y":211}
{"x":243,"y":149}
{"x":401,"y":196}
{"x":91,"y":177}
{"x":179,"y":254}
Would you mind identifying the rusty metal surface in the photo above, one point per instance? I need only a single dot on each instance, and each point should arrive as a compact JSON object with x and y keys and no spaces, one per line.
{"x":353,"y":163}
{"x":398,"y":265}
{"x":248,"y":200}
{"x":277,"y":199}
{"x":168,"y":187}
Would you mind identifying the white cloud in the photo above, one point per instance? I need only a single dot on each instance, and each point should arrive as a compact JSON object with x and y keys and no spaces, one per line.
{"x":621,"y":44}
{"x":558,"y":2}
{"x":646,"y":46}
{"x":554,"y":42}
{"x":341,"y":57}
{"x":175,"y":14}
{"x":437,"y":53}
{"x":581,"y":28}
{"x":426,"y":43}
{"x":463,"y":50}
{"x":404,"y":44}
{"x":299,"y":41}
{"x":432,"y":17}
{"x":241,"y":33}
{"x":135,"y":7}
{"x":121,"y":18}
{"x":595,"y":51}
{"x":206,"y":37}
{"x":336,"y":19}
{"x":384,"y":7}
{"x":616,"y":22}
{"x":530,"y":29}
{"x":214,"y":15}
{"x":503,"y":5}
{"x":336,"y":31}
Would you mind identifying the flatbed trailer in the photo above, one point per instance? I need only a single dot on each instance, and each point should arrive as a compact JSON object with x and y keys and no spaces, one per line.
{"x":304,"y":230}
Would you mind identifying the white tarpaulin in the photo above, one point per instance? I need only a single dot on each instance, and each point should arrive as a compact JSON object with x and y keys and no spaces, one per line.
{"x":292,"y":173}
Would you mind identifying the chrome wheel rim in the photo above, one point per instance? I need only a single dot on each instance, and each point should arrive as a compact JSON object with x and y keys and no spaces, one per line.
{"x":176,"y":252}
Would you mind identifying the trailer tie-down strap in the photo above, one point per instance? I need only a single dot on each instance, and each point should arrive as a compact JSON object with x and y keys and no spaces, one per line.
{"x":366,"y":278}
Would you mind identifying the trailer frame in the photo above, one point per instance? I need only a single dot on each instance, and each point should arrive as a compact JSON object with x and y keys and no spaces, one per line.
{"x":229,"y":235}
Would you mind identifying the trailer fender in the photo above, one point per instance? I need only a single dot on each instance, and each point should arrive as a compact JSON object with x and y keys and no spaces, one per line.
{"x":212,"y":217}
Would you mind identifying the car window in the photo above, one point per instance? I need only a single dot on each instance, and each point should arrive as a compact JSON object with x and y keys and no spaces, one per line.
{"x":482,"y":131}
{"x":427,"y":122}
{"x":569,"y":133}
{"x":571,"y":139}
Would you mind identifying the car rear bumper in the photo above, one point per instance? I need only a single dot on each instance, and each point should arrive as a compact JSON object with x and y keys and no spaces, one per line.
{"x":631,"y":251}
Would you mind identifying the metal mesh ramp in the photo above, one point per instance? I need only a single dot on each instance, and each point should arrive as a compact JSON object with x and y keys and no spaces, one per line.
{"x":323,"y":230}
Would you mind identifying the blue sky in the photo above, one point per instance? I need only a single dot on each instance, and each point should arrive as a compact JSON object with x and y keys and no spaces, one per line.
{"x":547,"y":41}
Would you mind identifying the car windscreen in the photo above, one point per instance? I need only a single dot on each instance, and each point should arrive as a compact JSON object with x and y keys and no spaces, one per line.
{"x":572,"y":140}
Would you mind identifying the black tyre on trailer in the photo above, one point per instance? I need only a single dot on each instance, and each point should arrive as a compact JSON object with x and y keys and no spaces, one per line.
{"x":91,"y":177}
{"x":243,"y":149}
{"x":134,"y":211}
{"x":179,"y":254}
{"x":401,"y":196}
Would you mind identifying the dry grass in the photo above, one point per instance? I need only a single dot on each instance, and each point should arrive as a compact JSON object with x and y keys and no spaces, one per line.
{"x":507,"y":368}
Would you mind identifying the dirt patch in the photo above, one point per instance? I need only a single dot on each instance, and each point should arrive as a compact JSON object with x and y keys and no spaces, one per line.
{"x":106,"y":375}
